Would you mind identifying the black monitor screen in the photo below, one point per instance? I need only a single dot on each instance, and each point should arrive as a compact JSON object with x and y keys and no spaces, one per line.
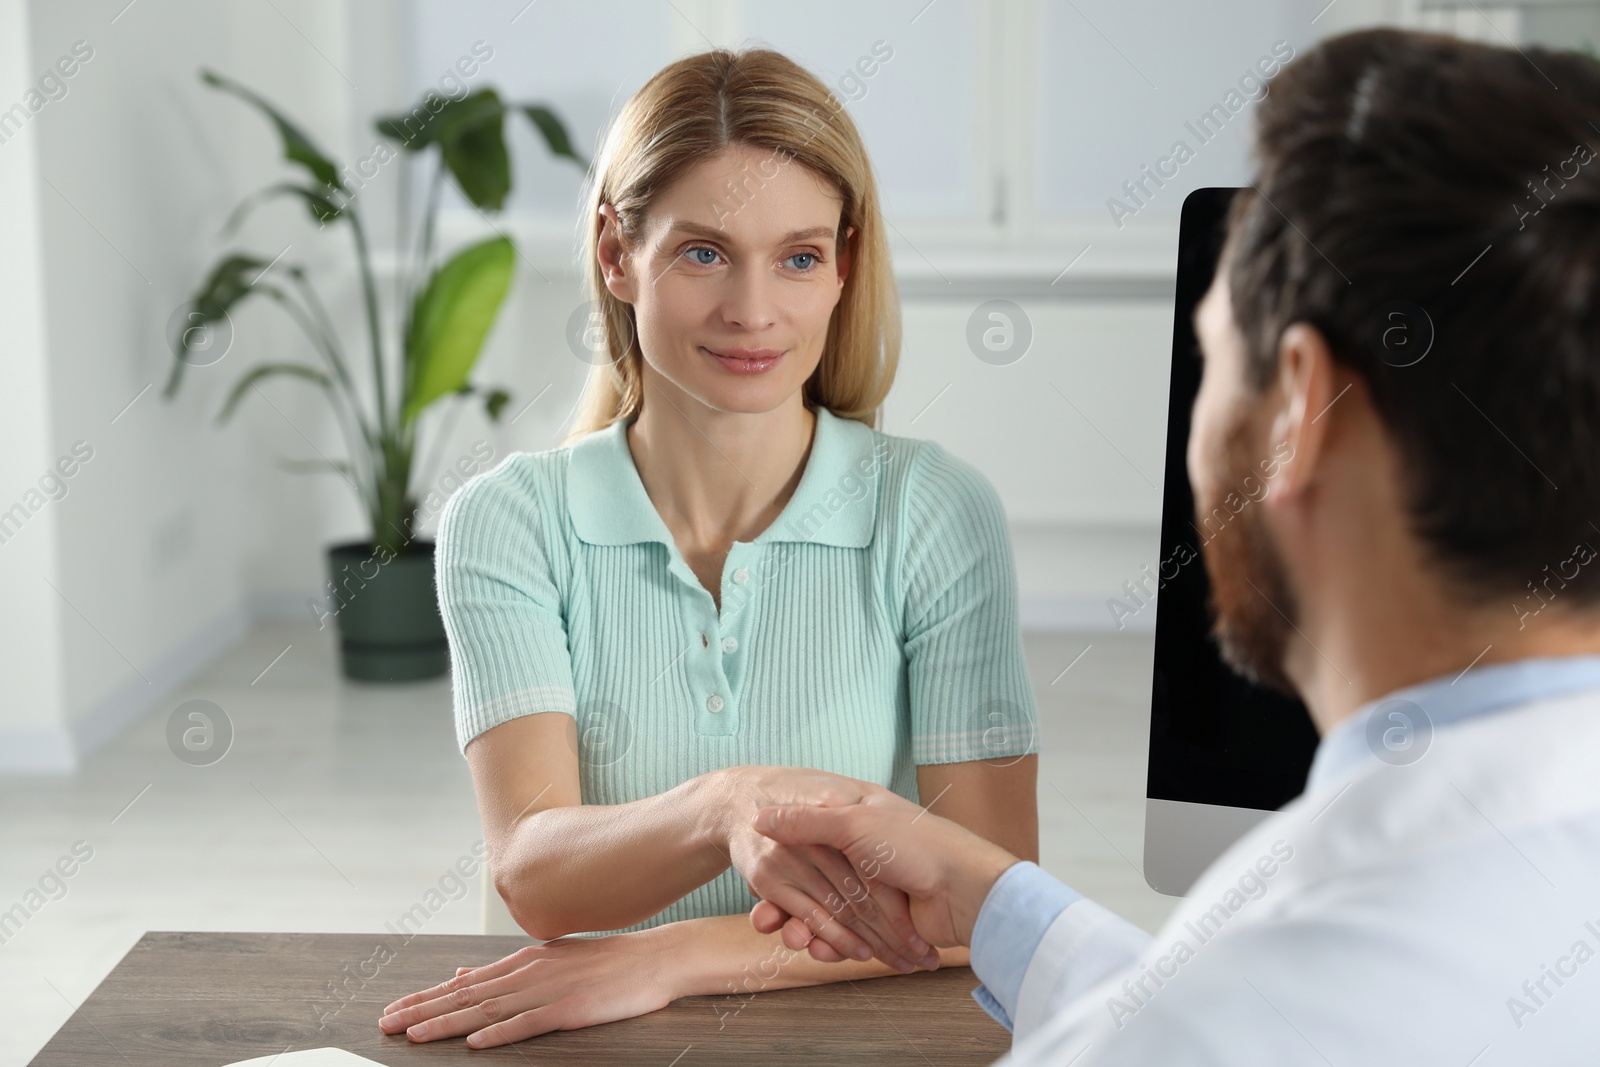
{"x":1214,"y":737}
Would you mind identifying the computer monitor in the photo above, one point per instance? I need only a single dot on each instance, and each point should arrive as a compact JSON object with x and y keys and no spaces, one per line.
{"x":1223,"y":752}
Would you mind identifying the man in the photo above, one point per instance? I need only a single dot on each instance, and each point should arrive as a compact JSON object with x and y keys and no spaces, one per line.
{"x":1406,"y":306}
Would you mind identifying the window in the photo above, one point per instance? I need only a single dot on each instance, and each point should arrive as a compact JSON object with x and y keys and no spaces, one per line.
{"x":1001,"y":130}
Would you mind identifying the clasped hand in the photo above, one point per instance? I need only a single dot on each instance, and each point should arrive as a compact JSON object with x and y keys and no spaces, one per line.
{"x":904,"y":857}
{"x":833,"y":905}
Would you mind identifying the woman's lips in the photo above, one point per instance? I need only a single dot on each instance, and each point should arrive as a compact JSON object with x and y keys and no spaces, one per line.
{"x":747,"y":361}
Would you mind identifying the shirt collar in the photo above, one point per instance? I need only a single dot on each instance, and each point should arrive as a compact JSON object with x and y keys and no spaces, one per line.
{"x":1447,"y":699}
{"x":836,"y":502}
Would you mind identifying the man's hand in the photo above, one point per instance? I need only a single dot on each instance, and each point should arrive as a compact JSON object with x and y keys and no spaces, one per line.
{"x":944,"y":869}
{"x":814,"y":885}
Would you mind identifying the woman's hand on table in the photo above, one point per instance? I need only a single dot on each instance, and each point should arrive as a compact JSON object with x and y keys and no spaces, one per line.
{"x":564,"y":984}
{"x":853,"y":917}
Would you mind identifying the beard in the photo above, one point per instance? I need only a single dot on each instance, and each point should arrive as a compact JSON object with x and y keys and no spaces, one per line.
{"x":1253,"y":606}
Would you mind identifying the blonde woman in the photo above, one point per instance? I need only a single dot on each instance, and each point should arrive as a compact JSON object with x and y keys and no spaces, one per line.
{"x":727,"y":590}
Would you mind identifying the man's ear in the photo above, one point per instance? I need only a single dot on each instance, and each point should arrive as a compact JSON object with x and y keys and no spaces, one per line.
{"x":1310,"y":382}
{"x":615,"y":262}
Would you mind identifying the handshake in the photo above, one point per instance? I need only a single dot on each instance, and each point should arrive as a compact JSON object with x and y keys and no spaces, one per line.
{"x":858,"y":872}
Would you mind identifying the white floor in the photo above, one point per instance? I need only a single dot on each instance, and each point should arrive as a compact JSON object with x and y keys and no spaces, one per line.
{"x":340,"y":805}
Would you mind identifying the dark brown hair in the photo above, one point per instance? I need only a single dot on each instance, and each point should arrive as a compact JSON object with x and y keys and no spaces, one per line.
{"x":1414,"y":187}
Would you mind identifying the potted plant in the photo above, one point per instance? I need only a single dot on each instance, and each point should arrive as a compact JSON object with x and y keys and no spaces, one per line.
{"x":382,"y":588}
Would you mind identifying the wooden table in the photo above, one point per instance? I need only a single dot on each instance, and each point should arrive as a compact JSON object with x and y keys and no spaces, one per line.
{"x":205,"y":999}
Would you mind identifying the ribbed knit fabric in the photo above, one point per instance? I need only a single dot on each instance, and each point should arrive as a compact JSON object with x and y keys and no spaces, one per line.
{"x":872,"y":628}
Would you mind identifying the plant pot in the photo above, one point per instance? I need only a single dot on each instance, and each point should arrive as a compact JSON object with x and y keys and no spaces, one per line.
{"x":387,"y":612}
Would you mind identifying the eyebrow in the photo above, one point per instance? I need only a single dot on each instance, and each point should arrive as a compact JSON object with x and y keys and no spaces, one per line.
{"x":696,"y":229}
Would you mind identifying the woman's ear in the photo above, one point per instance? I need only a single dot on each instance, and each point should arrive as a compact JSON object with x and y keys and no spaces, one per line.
{"x":613,"y":256}
{"x":844,"y":254}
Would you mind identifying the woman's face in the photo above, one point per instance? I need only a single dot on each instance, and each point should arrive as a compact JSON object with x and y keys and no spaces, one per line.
{"x":735,"y":279}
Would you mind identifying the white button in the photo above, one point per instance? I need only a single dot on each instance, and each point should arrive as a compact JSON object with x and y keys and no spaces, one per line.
{"x":741,"y":575}
{"x":713,"y":703}
{"x":730,"y":644}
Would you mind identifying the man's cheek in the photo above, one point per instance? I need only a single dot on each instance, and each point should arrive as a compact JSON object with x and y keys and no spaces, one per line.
{"x":1202,"y":449}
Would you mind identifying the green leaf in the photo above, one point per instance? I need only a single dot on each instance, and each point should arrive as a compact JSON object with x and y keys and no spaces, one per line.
{"x":493,"y":399}
{"x":228,"y":283}
{"x":473,"y":141}
{"x":322,"y":206}
{"x":297,"y":147}
{"x":555,"y":134}
{"x":436,"y":115}
{"x":298,"y":370}
{"x":470,"y":133}
{"x":315,"y":466}
{"x":450,"y":320}
{"x":494,"y":402}
{"x":415,"y":129}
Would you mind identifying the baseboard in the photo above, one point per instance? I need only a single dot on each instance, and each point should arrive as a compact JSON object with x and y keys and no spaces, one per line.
{"x":61,"y":750}
{"x":36,"y":752}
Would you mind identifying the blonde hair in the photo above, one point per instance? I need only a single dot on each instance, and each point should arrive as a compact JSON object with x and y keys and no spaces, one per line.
{"x":691,"y":111}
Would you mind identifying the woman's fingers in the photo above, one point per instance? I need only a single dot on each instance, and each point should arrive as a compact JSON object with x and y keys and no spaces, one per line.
{"x":797,"y":935}
{"x":540,"y":1020}
{"x":463,"y":977}
{"x":767,"y":917}
{"x":880,"y":914}
{"x":816,"y":920}
{"x":473,"y":1007}
{"x":844,"y":909}
{"x":792,"y":891}
{"x":823,"y":952}
{"x":893,"y":908}
{"x":794,"y":885}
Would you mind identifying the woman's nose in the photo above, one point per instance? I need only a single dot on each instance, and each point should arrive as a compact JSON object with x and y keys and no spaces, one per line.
{"x":750,"y":300}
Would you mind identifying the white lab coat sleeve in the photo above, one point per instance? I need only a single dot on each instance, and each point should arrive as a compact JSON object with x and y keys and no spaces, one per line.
{"x":1086,"y":943}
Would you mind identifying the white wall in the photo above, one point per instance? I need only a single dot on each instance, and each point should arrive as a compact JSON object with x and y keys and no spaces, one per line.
{"x":177,"y":534}
{"x":159,"y":542}
{"x":32,"y":715}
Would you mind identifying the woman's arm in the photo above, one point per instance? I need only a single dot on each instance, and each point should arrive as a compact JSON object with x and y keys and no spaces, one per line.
{"x":563,"y":866}
{"x":996,"y":799}
{"x":582,"y":981}
{"x":723,"y":955}
{"x":550,"y":852}
{"x":586,"y":981}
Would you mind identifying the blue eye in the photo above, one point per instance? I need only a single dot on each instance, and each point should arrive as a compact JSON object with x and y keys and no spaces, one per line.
{"x":805,"y":255}
{"x":702,"y":248}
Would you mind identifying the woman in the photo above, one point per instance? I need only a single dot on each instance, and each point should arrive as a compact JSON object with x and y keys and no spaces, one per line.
{"x":727,"y":589}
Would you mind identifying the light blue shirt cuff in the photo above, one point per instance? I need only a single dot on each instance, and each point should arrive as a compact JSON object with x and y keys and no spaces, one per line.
{"x":1020,"y":907}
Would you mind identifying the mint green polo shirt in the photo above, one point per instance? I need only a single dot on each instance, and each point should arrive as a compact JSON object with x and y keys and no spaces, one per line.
{"x":872,"y":628}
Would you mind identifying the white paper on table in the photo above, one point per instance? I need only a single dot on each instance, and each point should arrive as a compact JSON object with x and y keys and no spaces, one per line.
{"x":311,"y":1057}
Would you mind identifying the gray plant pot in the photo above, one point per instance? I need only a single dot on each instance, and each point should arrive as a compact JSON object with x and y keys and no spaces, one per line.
{"x":387,"y":613}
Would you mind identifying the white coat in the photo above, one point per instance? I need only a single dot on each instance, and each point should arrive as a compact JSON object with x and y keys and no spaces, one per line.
{"x":1444,"y":912}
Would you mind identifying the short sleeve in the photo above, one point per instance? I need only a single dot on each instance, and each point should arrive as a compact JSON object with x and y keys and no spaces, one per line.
{"x":968,"y":682}
{"x":501,"y":609}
